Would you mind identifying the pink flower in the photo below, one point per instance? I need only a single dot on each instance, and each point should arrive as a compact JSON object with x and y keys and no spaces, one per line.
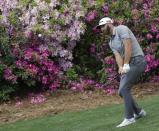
{"x":145,"y":6}
{"x":28,"y":33}
{"x":105,"y":9}
{"x":96,"y":30}
{"x":32,"y":69}
{"x":44,"y":80}
{"x":149,"y":58}
{"x":153,"y":28}
{"x":98,"y":86}
{"x":147,"y":69}
{"x":28,"y":54}
{"x":157,"y":36}
{"x":110,"y":91}
{"x":91,"y":16}
{"x":74,"y":88}
{"x":36,"y":98}
{"x":9,"y":76}
{"x":18,"y":103}
{"x":54,"y":85}
{"x":109,"y":61}
{"x":149,"y":36}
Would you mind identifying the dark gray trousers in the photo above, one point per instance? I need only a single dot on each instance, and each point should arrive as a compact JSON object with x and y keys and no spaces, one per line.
{"x":137,"y":66}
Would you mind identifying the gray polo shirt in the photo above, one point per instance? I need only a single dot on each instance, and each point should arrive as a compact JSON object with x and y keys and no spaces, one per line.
{"x":122,"y":32}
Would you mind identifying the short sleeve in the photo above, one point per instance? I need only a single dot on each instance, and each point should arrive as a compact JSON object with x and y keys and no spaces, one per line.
{"x":124,"y":32}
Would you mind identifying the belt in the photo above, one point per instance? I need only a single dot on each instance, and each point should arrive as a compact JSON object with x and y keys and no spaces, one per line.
{"x":138,"y":56}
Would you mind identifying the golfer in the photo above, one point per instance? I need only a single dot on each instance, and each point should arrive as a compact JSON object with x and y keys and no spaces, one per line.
{"x":131,"y":63}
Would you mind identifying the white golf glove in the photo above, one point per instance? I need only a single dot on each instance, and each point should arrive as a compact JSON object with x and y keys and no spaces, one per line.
{"x":126,"y":68}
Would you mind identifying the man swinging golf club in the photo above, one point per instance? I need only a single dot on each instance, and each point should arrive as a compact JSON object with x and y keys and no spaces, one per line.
{"x":131,"y":63}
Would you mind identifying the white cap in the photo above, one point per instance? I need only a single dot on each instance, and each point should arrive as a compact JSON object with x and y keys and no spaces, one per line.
{"x":105,"y":20}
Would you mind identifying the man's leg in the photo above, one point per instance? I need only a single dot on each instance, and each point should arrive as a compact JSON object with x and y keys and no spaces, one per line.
{"x":124,"y":92}
{"x":136,"y":107}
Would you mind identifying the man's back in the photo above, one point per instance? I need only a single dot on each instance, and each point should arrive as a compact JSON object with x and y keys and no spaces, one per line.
{"x":124,"y":32}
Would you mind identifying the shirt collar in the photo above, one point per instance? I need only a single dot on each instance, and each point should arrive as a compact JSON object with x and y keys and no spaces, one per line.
{"x":114,"y":32}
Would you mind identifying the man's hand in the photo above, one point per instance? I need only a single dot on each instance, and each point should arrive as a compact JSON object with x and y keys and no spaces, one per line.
{"x":125,"y":69}
{"x":120,"y":70}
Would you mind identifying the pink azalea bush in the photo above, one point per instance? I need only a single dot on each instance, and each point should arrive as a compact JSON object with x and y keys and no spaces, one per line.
{"x":38,"y":39}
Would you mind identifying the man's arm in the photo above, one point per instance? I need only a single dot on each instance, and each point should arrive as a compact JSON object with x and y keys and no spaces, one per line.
{"x":127,"y":55}
{"x":124,"y":34}
{"x":119,"y":61}
{"x":128,"y":50}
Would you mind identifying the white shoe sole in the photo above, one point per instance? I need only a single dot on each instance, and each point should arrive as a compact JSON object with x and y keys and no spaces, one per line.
{"x":120,"y":125}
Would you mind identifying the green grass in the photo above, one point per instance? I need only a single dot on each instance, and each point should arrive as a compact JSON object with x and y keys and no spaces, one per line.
{"x":100,"y":119}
